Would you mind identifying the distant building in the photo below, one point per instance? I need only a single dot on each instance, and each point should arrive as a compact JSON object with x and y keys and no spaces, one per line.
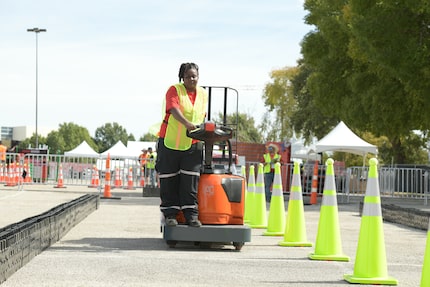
{"x":11,"y":135}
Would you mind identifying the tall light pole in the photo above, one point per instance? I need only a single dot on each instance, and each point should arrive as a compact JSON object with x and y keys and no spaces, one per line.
{"x":36,"y":31}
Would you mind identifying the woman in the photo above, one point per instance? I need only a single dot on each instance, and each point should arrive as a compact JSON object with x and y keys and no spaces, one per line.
{"x":180,"y":157}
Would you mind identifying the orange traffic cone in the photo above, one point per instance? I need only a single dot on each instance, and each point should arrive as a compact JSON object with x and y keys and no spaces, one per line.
{"x":295,"y":229}
{"x":11,"y":175}
{"x":276,"y":222}
{"x":328,"y":245}
{"x":94,"y":178}
{"x":130,"y":184}
{"x":60,"y":181}
{"x":142,"y":176}
{"x":370,"y":261}
{"x":2,"y":177}
{"x":118,"y":182}
{"x":259,"y":214}
{"x":249,"y":199}
{"x":314,"y":190}
{"x":107,"y":194}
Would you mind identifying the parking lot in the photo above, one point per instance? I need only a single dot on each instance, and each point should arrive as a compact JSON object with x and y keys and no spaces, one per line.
{"x":120,"y":244}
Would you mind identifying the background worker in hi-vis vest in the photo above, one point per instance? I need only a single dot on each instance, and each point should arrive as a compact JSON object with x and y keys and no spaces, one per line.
{"x":269,"y":159}
{"x":179,"y":157}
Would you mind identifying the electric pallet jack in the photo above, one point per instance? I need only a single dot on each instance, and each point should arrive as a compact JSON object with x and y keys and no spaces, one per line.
{"x":221,"y":198}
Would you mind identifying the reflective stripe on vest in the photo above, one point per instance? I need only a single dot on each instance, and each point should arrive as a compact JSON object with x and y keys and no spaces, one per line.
{"x":176,"y":137}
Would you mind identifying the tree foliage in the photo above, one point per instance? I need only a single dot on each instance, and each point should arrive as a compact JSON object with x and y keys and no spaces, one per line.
{"x":243,"y":125}
{"x":148,"y":137}
{"x":67,"y":137}
{"x":109,"y":134}
{"x":367,"y":63}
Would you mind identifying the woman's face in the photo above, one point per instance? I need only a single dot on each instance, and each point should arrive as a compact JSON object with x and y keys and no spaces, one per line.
{"x":191,"y":78}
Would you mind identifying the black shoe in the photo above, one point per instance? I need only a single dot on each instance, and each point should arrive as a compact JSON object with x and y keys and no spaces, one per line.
{"x":194,"y":222}
{"x":171,"y":221}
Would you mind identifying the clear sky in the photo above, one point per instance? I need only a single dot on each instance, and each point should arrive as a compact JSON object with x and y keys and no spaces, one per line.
{"x":105,"y":61}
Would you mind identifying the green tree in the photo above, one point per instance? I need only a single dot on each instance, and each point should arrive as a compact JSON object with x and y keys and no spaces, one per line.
{"x":278,"y":97}
{"x":68,"y":136}
{"x":148,"y":137}
{"x":244,"y":125}
{"x":29,"y":142}
{"x":308,"y":119}
{"x":368,"y":65}
{"x":109,"y":134}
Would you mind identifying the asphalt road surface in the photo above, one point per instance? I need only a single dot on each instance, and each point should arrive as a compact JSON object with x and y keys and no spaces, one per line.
{"x":120,"y":244}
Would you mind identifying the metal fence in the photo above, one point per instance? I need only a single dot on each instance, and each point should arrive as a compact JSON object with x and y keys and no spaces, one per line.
{"x":126,"y":172}
{"x":399,"y":182}
{"x":80,"y":171}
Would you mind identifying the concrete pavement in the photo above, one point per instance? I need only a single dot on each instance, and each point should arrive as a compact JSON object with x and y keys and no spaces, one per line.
{"x":120,"y":244}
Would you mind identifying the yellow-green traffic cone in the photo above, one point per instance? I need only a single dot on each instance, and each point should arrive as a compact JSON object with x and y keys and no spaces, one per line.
{"x":276,"y":221}
{"x":249,"y":199}
{"x":425,"y":275}
{"x":259,"y":212}
{"x":370,"y":261}
{"x":328,"y":245}
{"x":295,"y":229}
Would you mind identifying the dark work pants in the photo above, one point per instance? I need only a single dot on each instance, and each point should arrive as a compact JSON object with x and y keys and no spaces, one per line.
{"x":179,"y":173}
{"x":268,"y":181}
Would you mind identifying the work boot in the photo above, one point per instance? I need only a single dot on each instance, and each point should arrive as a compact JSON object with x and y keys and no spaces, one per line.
{"x":171,"y":221}
{"x":194,"y":222}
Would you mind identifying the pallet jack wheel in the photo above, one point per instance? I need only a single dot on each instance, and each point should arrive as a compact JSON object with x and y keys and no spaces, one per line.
{"x":171,"y":243}
{"x":238,"y":245}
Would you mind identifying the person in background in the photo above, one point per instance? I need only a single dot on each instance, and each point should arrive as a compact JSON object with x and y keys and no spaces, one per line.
{"x":180,"y":157}
{"x":269,"y":159}
{"x":3,"y":150}
{"x":142,"y":161}
{"x":150,"y":167}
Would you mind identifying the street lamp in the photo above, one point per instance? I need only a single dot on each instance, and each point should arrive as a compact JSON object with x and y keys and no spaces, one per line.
{"x":36,"y":31}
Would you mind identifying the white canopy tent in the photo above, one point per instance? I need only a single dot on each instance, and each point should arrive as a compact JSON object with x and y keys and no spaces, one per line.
{"x":82,"y":150}
{"x":342,"y":139}
{"x":119,"y":150}
{"x":301,"y":151}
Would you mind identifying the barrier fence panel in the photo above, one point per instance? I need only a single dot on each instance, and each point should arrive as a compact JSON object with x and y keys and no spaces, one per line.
{"x":393,"y":182}
{"x":72,"y":170}
{"x":400,"y":182}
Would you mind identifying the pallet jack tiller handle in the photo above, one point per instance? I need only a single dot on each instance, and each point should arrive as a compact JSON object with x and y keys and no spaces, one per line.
{"x":210,"y":133}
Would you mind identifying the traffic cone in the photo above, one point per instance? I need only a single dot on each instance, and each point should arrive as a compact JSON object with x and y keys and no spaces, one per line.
{"x":425,"y":275}
{"x":370,"y":261}
{"x":259,"y":214}
{"x":314,"y":190}
{"x":142,"y":176}
{"x":130,"y":184}
{"x":94,"y":178}
{"x":60,"y":181}
{"x":295,"y":229}
{"x":328,"y":245}
{"x":11,"y":175}
{"x":2,"y":177}
{"x":276,"y":222}
{"x":118,"y":182}
{"x":107,"y":194}
{"x":250,"y":193}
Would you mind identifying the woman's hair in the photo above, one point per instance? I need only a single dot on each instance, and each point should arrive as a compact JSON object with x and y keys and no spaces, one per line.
{"x":185,"y":67}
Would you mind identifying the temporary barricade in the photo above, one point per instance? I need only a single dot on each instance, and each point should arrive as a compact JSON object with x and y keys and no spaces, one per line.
{"x":399,"y":182}
{"x":395,"y":181}
{"x":78,"y":171}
